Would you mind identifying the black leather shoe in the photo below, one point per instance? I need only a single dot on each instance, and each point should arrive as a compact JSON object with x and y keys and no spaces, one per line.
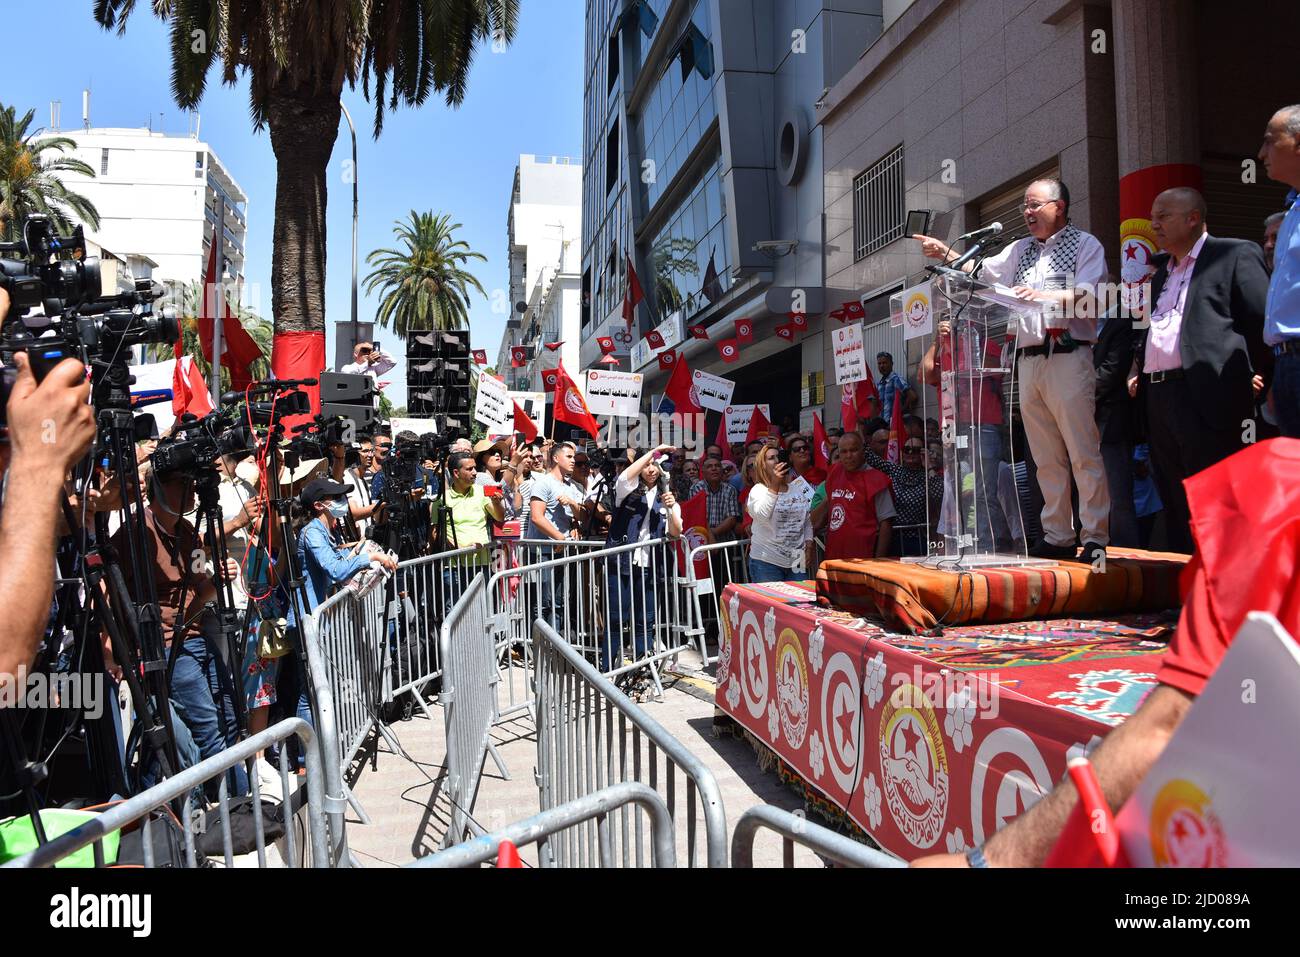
{"x":1045,"y":549}
{"x":1095,"y":555}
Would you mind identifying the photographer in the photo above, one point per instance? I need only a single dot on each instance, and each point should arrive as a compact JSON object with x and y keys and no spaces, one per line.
{"x":360,"y":508}
{"x":58,"y":408}
{"x":644,"y":510}
{"x":201,"y":688}
{"x":406,"y":515}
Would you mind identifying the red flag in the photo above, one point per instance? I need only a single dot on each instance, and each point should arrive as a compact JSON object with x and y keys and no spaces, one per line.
{"x":840,"y":315}
{"x":854,"y":310}
{"x":479,"y":356}
{"x":518,"y":357}
{"x":799,"y":320}
{"x":699,"y":332}
{"x":654,"y":339}
{"x":744,"y":330}
{"x":786,"y":331}
{"x":238,"y":350}
{"x":634,"y":294}
{"x":821,"y":445}
{"x":609,"y":360}
{"x":729,"y":349}
{"x":758,"y":426}
{"x":1089,"y":837}
{"x":524,"y":423}
{"x":570,"y":406}
{"x":896,"y":430}
{"x":668,"y":359}
{"x":553,"y":346}
{"x":866,"y":394}
{"x":695,"y":532}
{"x":680,"y":400}
{"x":606,"y":344}
{"x":549,"y":378}
{"x":849,"y":406}
{"x":722,"y":443}
{"x":189,"y":391}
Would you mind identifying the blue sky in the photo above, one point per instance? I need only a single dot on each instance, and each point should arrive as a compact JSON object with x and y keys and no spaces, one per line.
{"x":525,"y":100}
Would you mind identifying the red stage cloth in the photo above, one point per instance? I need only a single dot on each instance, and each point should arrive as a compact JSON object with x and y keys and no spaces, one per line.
{"x":928,"y":744}
{"x":299,"y":355}
{"x":915,"y":598}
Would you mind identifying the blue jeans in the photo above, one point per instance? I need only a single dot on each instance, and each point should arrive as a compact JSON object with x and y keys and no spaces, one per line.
{"x":760,"y":571}
{"x":1286,"y":394}
{"x":202,"y":694}
{"x":631,"y":603}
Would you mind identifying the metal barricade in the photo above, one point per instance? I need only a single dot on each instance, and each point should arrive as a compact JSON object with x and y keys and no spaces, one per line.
{"x":469,"y":701}
{"x":589,"y":736}
{"x":539,"y":829}
{"x":795,"y":829}
{"x":626,"y":607}
{"x":728,"y":564}
{"x":182,"y":786}
{"x":419,"y":594}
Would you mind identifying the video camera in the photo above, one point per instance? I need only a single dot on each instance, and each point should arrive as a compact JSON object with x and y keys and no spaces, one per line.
{"x":79,"y":319}
{"x":197,"y":442}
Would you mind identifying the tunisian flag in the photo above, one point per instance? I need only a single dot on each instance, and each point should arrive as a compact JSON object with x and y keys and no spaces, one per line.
{"x":695,"y":532}
{"x":680,"y":400}
{"x":524,"y":423}
{"x":849,"y":406}
{"x":238,"y":350}
{"x":866,"y":391}
{"x":821,"y":449}
{"x":189,"y":391}
{"x":570,"y":406}
{"x":759,"y":427}
{"x":722,"y":442}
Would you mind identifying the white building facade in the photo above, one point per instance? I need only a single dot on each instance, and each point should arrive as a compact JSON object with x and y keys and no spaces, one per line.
{"x":543,"y":234}
{"x":158,"y":198}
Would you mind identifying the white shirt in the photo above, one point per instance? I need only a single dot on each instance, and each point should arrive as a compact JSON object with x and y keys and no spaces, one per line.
{"x":1165,"y":337}
{"x":232,"y":494}
{"x":380,"y":365}
{"x":1089,"y":272}
{"x":623,"y":487}
{"x":782,"y":523}
{"x":359,"y":497}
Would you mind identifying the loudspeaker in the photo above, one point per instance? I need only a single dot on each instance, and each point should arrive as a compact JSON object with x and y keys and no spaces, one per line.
{"x":362,"y":416}
{"x":352,"y":389}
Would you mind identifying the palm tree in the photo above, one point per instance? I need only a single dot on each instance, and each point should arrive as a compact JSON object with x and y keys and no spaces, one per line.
{"x":297,"y":55}
{"x":670,"y":258}
{"x":31,"y":178}
{"x":424,"y":285}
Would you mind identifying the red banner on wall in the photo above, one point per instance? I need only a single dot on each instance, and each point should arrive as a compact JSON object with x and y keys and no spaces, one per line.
{"x":299,"y":355}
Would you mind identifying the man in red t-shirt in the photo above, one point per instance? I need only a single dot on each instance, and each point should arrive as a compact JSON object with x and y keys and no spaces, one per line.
{"x":858,"y":507}
{"x":1246,"y":522}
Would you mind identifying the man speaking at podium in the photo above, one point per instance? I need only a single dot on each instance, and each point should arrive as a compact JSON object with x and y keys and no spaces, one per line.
{"x":1057,"y":265}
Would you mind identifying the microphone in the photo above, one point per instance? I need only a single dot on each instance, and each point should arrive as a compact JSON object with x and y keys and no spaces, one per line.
{"x":981,"y":234}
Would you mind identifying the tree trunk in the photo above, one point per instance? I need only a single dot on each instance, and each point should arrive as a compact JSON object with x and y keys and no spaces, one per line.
{"x":304,"y":125}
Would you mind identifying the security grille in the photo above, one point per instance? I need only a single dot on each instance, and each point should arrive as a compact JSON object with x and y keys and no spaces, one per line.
{"x":878,"y":214}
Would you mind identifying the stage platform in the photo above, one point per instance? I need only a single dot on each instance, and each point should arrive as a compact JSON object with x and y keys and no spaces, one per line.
{"x":929,"y":744}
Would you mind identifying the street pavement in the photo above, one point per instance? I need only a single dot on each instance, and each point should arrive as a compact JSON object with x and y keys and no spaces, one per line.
{"x":409,"y":811}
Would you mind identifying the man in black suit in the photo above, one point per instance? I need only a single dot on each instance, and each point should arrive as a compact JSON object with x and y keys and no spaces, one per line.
{"x":1202,"y":347}
{"x":1112,"y":357}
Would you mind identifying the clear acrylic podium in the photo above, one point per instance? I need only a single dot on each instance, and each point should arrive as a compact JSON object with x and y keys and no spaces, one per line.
{"x":976,"y":366}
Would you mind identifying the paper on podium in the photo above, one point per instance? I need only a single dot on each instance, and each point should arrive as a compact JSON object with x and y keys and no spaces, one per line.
{"x":1223,"y":792}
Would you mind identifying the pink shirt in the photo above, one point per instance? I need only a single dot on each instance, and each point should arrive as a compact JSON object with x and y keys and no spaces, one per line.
{"x":1164,"y":336}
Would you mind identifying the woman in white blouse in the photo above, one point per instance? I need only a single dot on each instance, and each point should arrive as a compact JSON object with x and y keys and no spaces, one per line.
{"x":781,"y":536}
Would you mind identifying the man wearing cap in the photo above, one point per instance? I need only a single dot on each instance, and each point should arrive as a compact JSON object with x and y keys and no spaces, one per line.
{"x":891,"y":383}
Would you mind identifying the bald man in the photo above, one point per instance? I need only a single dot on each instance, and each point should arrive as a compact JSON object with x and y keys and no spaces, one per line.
{"x":1195,"y":363}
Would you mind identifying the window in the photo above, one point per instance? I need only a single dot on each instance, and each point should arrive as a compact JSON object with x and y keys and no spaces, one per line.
{"x":878,"y":214}
{"x":198,"y":165}
{"x":103,"y":161}
{"x":611,"y":159}
{"x":613,"y":61}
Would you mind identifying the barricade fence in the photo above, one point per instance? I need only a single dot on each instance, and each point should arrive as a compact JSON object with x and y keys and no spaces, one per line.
{"x":469,"y":702}
{"x":797,"y":829}
{"x":180,"y":836}
{"x":594,"y":809}
{"x":728,"y":563}
{"x":590,"y":736}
